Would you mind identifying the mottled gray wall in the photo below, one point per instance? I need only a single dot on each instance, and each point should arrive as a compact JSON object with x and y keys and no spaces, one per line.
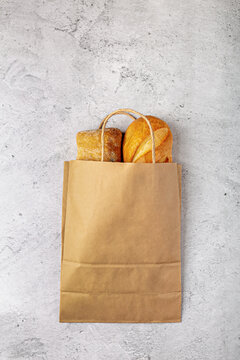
{"x":63,"y":66}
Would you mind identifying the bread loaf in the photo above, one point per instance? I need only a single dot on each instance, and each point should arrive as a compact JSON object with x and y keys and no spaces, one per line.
{"x":89,"y":145}
{"x":137,"y":143}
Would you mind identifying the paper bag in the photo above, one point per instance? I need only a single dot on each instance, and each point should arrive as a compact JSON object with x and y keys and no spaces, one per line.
{"x":121,"y":259}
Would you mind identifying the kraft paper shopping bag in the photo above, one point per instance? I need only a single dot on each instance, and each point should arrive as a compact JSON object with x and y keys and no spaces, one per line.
{"x":121,"y":259}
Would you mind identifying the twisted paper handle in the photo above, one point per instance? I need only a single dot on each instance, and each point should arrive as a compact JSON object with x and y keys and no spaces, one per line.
{"x":128,"y":113}
{"x":120,"y":111}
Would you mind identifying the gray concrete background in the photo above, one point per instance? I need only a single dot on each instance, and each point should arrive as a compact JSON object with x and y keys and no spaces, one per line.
{"x":63,"y":66}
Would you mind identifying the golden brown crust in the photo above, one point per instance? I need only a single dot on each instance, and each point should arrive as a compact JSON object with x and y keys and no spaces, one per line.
{"x":89,"y":145}
{"x":135,"y":135}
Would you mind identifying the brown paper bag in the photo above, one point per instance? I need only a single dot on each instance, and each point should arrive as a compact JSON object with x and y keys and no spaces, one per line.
{"x":121,"y":258}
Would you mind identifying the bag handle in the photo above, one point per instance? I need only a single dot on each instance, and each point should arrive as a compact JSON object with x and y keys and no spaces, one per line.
{"x":120,"y":111}
{"x":127,"y":112}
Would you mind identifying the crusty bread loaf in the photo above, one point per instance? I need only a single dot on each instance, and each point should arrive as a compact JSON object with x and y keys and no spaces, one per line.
{"x":137,"y":141}
{"x":89,"y":145}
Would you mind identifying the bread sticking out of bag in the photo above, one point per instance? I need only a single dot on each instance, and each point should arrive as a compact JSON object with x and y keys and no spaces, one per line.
{"x":137,"y":142}
{"x":89,"y":145}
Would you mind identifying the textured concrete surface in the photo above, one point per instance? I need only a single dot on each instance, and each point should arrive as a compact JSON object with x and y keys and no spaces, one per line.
{"x":63,"y":66}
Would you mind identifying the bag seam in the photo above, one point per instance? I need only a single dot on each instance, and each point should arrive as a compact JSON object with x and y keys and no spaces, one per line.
{"x":122,"y":265}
